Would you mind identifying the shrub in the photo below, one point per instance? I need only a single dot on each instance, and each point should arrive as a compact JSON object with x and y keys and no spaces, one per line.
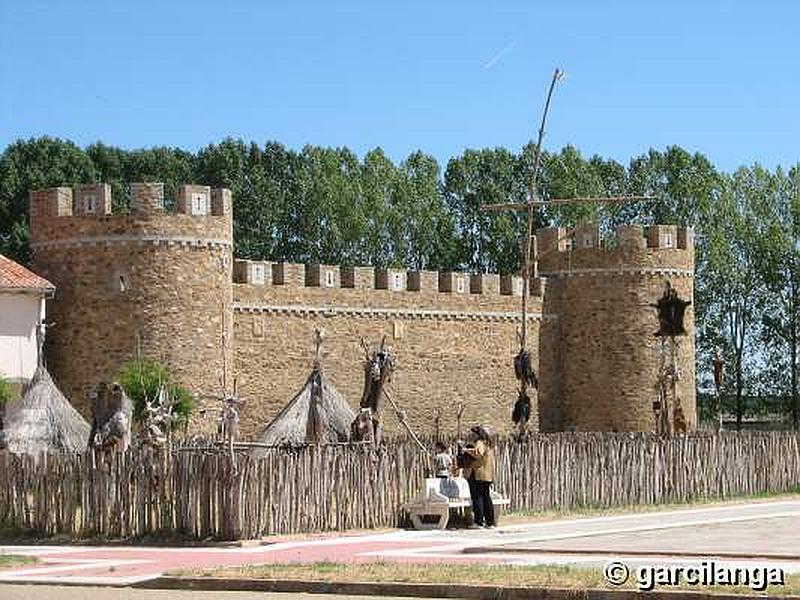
{"x":142,"y":379}
{"x":5,"y":390}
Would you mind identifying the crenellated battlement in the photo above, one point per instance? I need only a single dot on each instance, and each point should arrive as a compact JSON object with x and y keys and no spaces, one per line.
{"x":165,"y":280}
{"x":94,"y":200}
{"x":259,"y":273}
{"x":83,"y":215}
{"x":629,"y":248}
{"x":150,"y":278}
{"x":588,"y":236}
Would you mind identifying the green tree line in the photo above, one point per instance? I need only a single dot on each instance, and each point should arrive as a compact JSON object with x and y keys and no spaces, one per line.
{"x":327,"y":205}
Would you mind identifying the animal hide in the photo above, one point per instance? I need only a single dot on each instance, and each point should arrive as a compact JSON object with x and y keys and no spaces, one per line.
{"x":112,"y":413}
{"x":524,"y":370}
{"x":522,"y":409}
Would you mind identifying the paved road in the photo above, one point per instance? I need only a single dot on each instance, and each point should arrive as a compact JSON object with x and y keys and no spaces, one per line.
{"x":53,"y":592}
{"x":760,"y":533}
{"x":777,"y":538}
{"x":769,"y":530}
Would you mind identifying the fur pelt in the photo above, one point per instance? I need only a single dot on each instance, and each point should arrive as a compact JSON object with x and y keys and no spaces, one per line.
{"x":522,"y":409}
{"x":524,"y":370}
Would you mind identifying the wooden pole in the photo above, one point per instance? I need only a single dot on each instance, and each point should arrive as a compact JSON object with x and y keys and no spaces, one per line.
{"x":223,"y":346}
{"x":532,"y":196}
{"x":534,"y":201}
{"x":578,"y":200}
{"x":719,"y":370}
{"x":401,"y":416}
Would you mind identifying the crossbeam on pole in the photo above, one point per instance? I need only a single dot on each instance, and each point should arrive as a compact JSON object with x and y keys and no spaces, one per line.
{"x":586,"y":199}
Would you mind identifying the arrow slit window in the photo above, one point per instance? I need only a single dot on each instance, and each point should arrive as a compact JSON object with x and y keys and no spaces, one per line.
{"x":199,"y":204}
{"x":257,"y":274}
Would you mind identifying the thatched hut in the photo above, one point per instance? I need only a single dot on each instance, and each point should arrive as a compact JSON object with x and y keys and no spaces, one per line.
{"x":43,"y":420}
{"x":318,"y":414}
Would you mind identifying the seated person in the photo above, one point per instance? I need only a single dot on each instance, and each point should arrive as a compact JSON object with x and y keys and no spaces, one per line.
{"x":443,"y":461}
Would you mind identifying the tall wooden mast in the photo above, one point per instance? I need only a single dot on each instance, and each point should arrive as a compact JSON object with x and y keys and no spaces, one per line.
{"x":534,"y":200}
{"x":533,"y":195}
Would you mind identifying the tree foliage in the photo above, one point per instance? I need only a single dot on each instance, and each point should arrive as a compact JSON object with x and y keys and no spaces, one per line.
{"x":779,"y":259}
{"x":5,"y":390}
{"x":731,"y":285}
{"x":29,"y":165}
{"x":142,"y":380}
{"x":327,"y":205}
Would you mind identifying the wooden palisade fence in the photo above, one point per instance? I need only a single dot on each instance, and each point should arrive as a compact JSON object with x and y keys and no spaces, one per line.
{"x":338,"y":487}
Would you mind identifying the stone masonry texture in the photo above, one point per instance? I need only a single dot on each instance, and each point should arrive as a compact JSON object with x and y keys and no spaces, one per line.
{"x":149,"y":282}
{"x":163,"y":284}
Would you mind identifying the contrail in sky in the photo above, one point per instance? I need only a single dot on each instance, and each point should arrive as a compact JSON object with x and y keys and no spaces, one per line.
{"x":499,"y":55}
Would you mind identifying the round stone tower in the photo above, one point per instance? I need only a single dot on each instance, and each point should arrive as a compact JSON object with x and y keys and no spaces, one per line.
{"x":150,"y":281}
{"x":602,"y":292}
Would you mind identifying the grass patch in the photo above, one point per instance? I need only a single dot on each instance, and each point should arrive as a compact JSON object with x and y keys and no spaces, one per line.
{"x":13,"y":560}
{"x":539,"y":576}
{"x":413,"y":573}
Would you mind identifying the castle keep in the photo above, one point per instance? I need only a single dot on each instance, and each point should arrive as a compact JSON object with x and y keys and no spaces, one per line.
{"x":167,"y":285}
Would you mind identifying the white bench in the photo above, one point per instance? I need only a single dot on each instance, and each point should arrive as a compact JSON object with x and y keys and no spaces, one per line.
{"x":440,"y":496}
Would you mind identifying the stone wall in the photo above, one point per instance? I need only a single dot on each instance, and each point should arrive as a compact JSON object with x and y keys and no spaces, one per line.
{"x":166,"y":283}
{"x":602,"y":293}
{"x":450,"y":347}
{"x":150,"y":280}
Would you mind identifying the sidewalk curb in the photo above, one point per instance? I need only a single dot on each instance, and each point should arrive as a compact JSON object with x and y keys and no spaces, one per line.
{"x":421,"y":590}
{"x":134,"y":543}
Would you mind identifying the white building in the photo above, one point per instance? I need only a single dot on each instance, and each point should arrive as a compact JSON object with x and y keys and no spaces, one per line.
{"x":22,"y":310}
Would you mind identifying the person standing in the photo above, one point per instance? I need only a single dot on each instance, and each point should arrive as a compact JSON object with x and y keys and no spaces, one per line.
{"x":481,"y":476}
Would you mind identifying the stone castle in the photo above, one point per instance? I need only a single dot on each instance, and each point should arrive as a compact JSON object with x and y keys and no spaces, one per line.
{"x":166,"y":284}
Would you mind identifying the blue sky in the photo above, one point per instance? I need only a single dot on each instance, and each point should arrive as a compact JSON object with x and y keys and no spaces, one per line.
{"x":722,"y":78}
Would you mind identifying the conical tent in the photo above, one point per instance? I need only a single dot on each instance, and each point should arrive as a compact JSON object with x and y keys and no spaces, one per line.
{"x":43,"y":420}
{"x":317,"y":414}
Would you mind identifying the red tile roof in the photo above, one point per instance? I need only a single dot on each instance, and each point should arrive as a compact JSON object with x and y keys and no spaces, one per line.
{"x":14,"y":276}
